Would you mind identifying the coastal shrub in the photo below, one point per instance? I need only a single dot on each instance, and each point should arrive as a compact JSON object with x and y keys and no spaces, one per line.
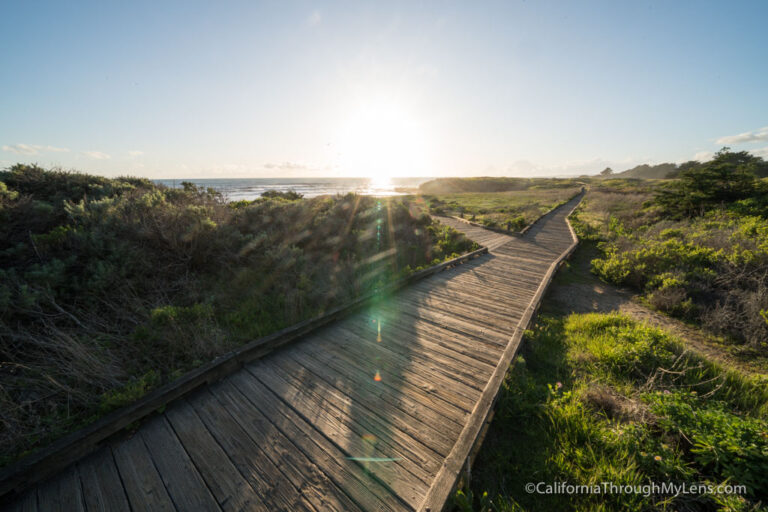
{"x":723,"y":445}
{"x":290,"y":195}
{"x":714,"y":270}
{"x":707,"y":264}
{"x":726,"y":179}
{"x":110,"y":287}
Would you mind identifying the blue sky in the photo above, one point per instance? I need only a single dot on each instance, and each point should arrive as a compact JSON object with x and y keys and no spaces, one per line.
{"x":252,"y":89}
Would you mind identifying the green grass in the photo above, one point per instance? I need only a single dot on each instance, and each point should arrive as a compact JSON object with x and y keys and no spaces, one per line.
{"x":601,"y":398}
{"x":511,"y":210}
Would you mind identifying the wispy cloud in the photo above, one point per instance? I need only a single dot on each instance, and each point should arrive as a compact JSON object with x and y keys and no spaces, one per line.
{"x":97,"y":155}
{"x":755,"y":136}
{"x":292,"y":166}
{"x":32,"y":149}
{"x":315,"y":18}
{"x":135,"y":153}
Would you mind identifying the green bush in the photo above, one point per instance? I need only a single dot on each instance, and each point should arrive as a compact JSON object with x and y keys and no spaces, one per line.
{"x":710,"y":268}
{"x":723,"y":445}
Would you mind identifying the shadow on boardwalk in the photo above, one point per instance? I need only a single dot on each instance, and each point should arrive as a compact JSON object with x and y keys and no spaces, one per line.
{"x":360,"y":415}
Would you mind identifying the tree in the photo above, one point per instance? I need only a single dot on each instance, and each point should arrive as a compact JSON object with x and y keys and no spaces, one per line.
{"x":690,"y":164}
{"x":606,"y":172}
{"x":749,"y":162}
{"x":728,"y":177}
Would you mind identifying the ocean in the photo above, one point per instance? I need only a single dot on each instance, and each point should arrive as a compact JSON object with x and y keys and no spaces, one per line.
{"x":236,"y":189}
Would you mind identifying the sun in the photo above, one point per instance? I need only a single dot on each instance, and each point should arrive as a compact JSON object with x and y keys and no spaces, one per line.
{"x":381,"y":140}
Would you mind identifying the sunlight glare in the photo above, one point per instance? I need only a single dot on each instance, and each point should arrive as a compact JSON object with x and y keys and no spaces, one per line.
{"x":381,"y":140}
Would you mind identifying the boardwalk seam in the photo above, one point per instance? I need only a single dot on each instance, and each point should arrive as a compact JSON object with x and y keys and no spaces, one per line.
{"x":120,"y":477}
{"x":213,"y":438}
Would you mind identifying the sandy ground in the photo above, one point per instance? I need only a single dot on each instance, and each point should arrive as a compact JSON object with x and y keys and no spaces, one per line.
{"x":577,"y":290}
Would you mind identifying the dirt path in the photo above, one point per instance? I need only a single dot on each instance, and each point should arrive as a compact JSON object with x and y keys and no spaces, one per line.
{"x":577,"y":290}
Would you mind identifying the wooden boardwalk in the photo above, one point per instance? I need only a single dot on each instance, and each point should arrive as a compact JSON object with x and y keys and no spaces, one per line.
{"x":486,"y":237}
{"x":377,"y":411}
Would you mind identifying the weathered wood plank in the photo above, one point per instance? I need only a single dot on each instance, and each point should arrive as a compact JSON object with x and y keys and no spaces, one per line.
{"x":359,"y":440}
{"x":458,"y":306}
{"x":284,"y":480}
{"x":405,"y":365}
{"x":396,"y":339}
{"x":448,"y":316}
{"x":431,"y":339}
{"x":480,"y":296}
{"x":385,"y":402}
{"x":415,"y":401}
{"x":461,"y":345}
{"x":316,"y":395}
{"x":368,"y":487}
{"x":102,"y":488}
{"x":231,"y":490}
{"x":140,"y":478}
{"x":253,"y":452}
{"x":62,"y":493}
{"x":182,"y":480}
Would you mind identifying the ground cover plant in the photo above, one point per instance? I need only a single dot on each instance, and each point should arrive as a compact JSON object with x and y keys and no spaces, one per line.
{"x":111,"y":287}
{"x":599,"y":398}
{"x":502,"y":203}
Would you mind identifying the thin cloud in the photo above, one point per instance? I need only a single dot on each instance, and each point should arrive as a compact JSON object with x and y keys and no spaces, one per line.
{"x":32,"y":149}
{"x":135,"y":153}
{"x":315,"y":18}
{"x":97,"y":155}
{"x":755,"y":136}
{"x":292,"y":166}
{"x":704,"y":156}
